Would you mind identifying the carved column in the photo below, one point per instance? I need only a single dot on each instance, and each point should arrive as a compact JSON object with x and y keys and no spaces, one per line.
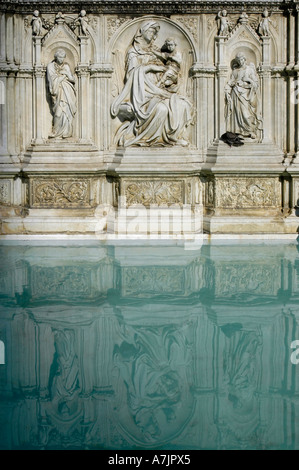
{"x":265,"y":70}
{"x":291,"y":38}
{"x":3,"y":112}
{"x":202,"y":79}
{"x":11,"y":128}
{"x":297,"y":78}
{"x":9,"y":36}
{"x":279,"y":106}
{"x":221,"y":75}
{"x":38,"y":96}
{"x":83,"y":94}
{"x":290,"y":83}
{"x":83,"y":103}
{"x":2,"y":37}
{"x":101,"y":74}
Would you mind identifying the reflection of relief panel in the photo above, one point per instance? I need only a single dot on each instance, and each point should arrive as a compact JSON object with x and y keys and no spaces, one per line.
{"x":60,"y":192}
{"x":239,"y":278}
{"x":156,"y":280}
{"x":63,"y":283}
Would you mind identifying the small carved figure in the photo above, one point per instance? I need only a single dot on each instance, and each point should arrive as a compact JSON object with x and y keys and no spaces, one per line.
{"x":264,"y":25}
{"x":61,"y":85}
{"x":83,"y":23}
{"x":241,"y":99}
{"x":37,"y":24}
{"x":173,"y":60}
{"x":224,"y":23}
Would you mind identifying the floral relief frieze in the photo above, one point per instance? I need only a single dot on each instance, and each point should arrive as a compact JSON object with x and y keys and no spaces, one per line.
{"x":154,"y":192}
{"x":247,"y":192}
{"x":61,"y":192}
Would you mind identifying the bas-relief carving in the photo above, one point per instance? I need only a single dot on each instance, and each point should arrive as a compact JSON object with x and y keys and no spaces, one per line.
{"x":5,"y":191}
{"x":154,"y":192}
{"x":247,"y":192}
{"x":60,"y":192}
{"x":149,"y":105}
{"x":61,"y":83}
{"x":241,"y":98}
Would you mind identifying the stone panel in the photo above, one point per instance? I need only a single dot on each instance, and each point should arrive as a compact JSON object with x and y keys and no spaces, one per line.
{"x":60,"y":192}
{"x":241,"y":193}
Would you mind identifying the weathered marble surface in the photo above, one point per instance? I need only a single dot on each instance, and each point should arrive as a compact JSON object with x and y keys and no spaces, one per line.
{"x":144,"y":93}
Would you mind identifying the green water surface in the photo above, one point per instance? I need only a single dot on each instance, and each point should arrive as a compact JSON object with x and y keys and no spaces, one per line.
{"x":149,"y":347}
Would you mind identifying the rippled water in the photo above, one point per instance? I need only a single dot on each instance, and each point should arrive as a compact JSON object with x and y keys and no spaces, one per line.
{"x":149,"y":347}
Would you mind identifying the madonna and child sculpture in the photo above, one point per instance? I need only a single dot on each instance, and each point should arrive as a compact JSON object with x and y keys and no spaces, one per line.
{"x":61,"y":84}
{"x":152,"y":111}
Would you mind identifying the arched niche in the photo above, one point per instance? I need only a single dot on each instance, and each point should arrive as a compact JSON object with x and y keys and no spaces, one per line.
{"x":244,"y":39}
{"x":121,"y":41}
{"x":59,"y":37}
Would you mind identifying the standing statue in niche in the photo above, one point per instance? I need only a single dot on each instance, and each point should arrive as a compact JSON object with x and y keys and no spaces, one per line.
{"x":61,"y":85}
{"x":152,"y":112}
{"x":242,"y":100}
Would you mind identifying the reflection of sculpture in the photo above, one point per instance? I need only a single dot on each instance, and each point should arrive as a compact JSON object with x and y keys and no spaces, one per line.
{"x":264,"y":24}
{"x":224,"y":27}
{"x":153,"y":114}
{"x":61,"y":86}
{"x":241,"y":99}
{"x":154,"y":366}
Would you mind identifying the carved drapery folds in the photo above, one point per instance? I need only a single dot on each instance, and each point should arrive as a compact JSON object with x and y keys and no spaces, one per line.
{"x":150,"y":104}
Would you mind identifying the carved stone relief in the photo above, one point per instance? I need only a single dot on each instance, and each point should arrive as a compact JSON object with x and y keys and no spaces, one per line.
{"x":5,"y":190}
{"x":61,"y":83}
{"x":147,"y":192}
{"x":241,"y":98}
{"x":247,"y":192}
{"x":150,"y":106}
{"x":60,"y":192}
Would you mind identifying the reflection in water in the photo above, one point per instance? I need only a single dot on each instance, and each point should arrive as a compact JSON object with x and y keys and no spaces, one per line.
{"x":123,"y":347}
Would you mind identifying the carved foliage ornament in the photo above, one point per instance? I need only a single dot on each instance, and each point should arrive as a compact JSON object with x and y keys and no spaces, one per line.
{"x":247,"y":192}
{"x":154,"y":192}
{"x":62,"y":192}
{"x":4,"y":192}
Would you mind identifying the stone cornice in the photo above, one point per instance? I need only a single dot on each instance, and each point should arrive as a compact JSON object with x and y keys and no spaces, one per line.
{"x":142,"y":7}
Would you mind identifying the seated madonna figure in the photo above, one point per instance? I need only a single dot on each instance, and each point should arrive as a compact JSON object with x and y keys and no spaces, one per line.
{"x":152,"y":113}
{"x":242,"y":99}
